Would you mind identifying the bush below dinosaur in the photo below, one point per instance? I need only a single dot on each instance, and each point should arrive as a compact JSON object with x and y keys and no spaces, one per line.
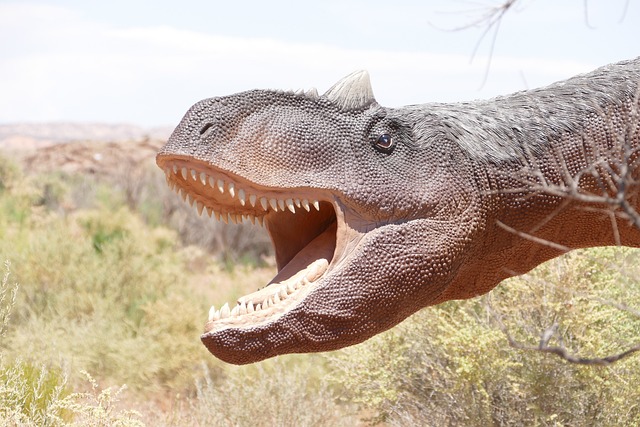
{"x":451,"y":365}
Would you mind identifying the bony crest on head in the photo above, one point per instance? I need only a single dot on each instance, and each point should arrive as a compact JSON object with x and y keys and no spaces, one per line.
{"x":353,"y":92}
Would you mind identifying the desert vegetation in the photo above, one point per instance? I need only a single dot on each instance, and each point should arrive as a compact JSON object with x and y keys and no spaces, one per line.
{"x":109,"y":276}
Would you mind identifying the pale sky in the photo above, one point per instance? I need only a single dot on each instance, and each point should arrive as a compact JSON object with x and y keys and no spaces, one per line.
{"x":145,"y":62}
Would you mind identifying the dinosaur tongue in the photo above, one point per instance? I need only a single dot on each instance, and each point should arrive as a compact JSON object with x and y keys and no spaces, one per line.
{"x":308,"y":264}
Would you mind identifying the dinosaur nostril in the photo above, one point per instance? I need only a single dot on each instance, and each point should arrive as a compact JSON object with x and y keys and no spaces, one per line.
{"x":205,"y":128}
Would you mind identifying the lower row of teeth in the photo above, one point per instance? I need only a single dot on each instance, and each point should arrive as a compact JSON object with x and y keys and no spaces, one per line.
{"x":274,"y":204}
{"x":281,"y":292}
{"x":248,"y":307}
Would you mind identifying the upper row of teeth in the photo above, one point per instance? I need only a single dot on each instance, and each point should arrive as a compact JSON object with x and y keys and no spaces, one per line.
{"x":275,"y":204}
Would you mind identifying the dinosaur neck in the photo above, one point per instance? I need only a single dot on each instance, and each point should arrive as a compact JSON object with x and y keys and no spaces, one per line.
{"x":577,"y":188}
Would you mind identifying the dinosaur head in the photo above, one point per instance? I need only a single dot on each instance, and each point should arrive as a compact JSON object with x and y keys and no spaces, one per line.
{"x":354,"y":205}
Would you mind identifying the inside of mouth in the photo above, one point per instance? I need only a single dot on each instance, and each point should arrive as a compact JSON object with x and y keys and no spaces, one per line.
{"x":304,"y":236}
{"x":308,"y":264}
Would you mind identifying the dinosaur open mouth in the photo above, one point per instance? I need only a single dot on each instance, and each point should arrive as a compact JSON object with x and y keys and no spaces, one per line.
{"x":303,"y":225}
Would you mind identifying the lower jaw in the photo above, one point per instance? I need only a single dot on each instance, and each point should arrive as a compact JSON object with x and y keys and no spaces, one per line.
{"x":285,"y":290}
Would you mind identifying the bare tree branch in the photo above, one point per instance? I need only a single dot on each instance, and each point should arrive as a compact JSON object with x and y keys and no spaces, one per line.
{"x":559,"y":350}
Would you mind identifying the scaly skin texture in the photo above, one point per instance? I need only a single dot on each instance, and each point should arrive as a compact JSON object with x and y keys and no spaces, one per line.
{"x":413,"y":206}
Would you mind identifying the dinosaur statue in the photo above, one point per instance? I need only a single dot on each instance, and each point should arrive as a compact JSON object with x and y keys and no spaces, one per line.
{"x":377,"y":212}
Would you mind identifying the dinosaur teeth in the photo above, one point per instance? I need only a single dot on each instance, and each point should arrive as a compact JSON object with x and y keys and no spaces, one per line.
{"x":275,"y":204}
{"x":224,"y":311}
{"x":266,"y":300}
{"x":289,"y":203}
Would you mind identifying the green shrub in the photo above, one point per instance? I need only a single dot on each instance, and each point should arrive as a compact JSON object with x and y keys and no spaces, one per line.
{"x":30,"y":394}
{"x":451,"y":364}
{"x":10,"y":173}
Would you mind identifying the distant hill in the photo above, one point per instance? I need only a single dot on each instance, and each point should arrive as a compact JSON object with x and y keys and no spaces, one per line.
{"x":29,"y":136}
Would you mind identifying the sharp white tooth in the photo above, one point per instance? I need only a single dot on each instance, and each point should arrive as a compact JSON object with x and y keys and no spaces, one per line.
{"x":220,"y":184}
{"x":203,"y":178}
{"x":216,"y":215}
{"x":190,"y":200}
{"x":212,"y":182}
{"x":167,"y":173}
{"x":224,"y":311}
{"x":184,"y":195}
{"x":212,"y":313}
{"x":250,"y":308}
{"x":290,"y":206}
{"x":305,"y":205}
{"x":232,"y":189}
{"x":241,"y":197}
{"x":252,"y":199}
{"x":183,"y":171}
{"x":175,"y":169}
{"x":209,"y":211}
{"x":242,"y":309}
{"x":200,"y":207}
{"x":224,"y":218}
{"x":291,"y":288}
{"x":263,"y":203}
{"x":297,"y":202}
{"x":283,"y":292}
{"x":316,"y":205}
{"x":235,"y":310}
{"x":233,"y":218}
{"x":194,"y":174}
{"x":276,"y":299}
{"x":258,"y":307}
{"x":266,"y":303}
{"x":260,"y":221}
{"x":281,"y":204}
{"x":274,"y":204}
{"x":252,"y":218}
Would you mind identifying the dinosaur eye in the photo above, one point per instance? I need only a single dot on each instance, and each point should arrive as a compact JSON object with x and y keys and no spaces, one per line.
{"x":384,"y":142}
